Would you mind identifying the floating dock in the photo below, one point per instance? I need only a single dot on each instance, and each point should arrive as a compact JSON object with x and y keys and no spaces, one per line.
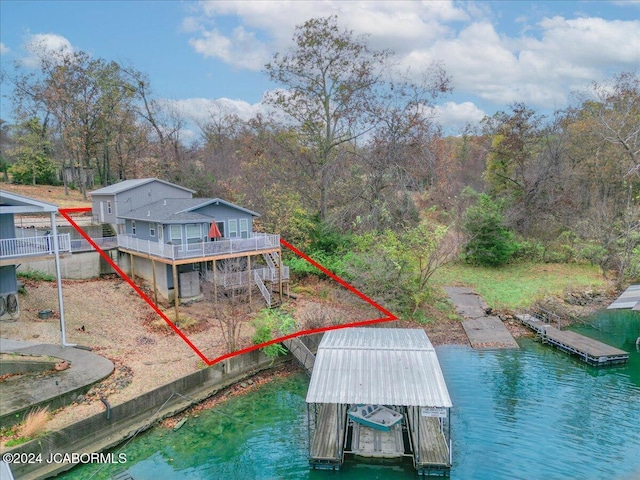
{"x":587,"y":349}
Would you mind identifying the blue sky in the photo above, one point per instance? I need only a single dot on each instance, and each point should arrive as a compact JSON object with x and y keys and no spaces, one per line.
{"x":199,"y":54}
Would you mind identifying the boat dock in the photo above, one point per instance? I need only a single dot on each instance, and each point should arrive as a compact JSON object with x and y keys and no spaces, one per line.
{"x":587,"y":349}
{"x":378,"y":393}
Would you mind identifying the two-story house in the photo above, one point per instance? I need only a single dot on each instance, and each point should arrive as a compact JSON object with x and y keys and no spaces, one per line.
{"x":176,"y":242}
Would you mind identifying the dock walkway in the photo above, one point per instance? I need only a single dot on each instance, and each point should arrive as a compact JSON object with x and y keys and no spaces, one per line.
{"x":433,"y":449}
{"x":482,"y":329}
{"x":298,"y":349}
{"x":587,"y":349}
{"x":327,"y":442}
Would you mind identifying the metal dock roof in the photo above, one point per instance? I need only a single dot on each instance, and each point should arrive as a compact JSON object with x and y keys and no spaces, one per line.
{"x":630,"y":298}
{"x":385,"y":366}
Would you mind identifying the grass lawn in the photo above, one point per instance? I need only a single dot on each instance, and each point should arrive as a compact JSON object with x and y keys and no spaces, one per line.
{"x":521,"y":284}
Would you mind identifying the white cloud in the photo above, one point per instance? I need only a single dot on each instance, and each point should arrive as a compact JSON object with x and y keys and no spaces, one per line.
{"x":241,"y":49}
{"x":199,"y":110}
{"x":537,"y":65}
{"x":4,"y":50}
{"x":456,"y":116}
{"x":40,"y":44}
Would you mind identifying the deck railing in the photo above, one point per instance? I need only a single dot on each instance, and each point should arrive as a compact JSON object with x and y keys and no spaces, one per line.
{"x":33,"y":246}
{"x":256,"y":243}
{"x":239,"y":279}
{"x":82,"y":245}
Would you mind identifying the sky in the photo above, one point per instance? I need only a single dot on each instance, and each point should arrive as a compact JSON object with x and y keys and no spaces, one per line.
{"x":200,"y":54}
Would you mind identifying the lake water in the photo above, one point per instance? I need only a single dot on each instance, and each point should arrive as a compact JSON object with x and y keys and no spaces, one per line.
{"x":533,"y":413}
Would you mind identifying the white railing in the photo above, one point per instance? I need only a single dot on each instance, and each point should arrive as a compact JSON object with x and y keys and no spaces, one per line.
{"x":259,"y":241}
{"x":238,"y":279}
{"x":262,"y":287}
{"x":82,"y":245}
{"x":31,"y":246}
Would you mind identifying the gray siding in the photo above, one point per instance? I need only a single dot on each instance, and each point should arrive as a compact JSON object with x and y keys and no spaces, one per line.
{"x":7,"y":226}
{"x":135,"y":197}
{"x":8,"y":282}
{"x":224,"y":213}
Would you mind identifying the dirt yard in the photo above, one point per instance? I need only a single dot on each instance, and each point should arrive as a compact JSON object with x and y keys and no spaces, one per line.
{"x":112,"y":320}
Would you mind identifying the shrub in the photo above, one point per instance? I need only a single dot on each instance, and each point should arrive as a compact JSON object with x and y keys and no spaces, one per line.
{"x":270,"y":324}
{"x":490,"y":242}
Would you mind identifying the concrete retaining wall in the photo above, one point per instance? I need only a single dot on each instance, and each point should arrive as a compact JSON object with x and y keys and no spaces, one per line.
{"x":78,"y":266}
{"x":98,"y":432}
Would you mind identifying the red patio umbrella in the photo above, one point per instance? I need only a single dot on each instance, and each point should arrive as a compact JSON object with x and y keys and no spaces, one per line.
{"x":214,"y":231}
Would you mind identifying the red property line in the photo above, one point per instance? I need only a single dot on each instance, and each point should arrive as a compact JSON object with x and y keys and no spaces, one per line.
{"x":389,"y":316}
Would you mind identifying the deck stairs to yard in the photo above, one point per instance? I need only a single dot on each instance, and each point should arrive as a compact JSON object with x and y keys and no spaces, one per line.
{"x":271,"y":302}
{"x":267,"y":278}
{"x":300,"y":351}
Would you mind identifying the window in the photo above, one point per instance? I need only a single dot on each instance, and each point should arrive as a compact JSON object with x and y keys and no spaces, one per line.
{"x":152,"y":229}
{"x":244,"y":228}
{"x":133,"y":227}
{"x":109,"y":207}
{"x":175,"y":234}
{"x":221,"y":228}
{"x":194,"y":233}
{"x":233,"y":228}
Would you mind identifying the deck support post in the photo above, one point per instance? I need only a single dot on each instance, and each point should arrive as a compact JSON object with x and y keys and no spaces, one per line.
{"x":215,"y":282}
{"x":133,"y":270}
{"x":249,"y":284}
{"x":280,"y":274}
{"x":176,"y":290}
{"x":155,"y":289}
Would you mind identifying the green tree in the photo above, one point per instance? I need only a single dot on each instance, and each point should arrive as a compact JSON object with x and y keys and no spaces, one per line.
{"x":489,"y":242}
{"x":34,"y":164}
{"x":329,"y":79}
{"x":395,"y":267}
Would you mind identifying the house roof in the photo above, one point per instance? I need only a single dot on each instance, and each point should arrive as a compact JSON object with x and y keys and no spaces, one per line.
{"x":179,"y":210}
{"x":379,"y":366}
{"x":14,"y":203}
{"x":129,"y":184}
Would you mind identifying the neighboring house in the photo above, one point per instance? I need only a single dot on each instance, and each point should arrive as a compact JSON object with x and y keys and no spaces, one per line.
{"x":177,"y":243}
{"x":24,"y":245}
{"x":109,"y":203}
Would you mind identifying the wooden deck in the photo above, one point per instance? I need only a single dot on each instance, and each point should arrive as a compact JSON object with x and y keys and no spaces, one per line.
{"x":431,"y":449}
{"x":327,"y":442}
{"x":587,"y":349}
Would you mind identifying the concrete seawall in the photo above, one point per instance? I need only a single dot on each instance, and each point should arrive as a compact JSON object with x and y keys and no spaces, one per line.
{"x":108,"y":429}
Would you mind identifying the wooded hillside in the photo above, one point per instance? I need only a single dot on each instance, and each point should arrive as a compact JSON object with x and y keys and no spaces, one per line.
{"x":351,"y":163}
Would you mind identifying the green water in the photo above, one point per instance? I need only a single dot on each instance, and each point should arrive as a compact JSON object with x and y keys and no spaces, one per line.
{"x":533,"y":413}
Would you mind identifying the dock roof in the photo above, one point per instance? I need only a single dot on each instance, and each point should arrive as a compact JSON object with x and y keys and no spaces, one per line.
{"x":380,"y":366}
